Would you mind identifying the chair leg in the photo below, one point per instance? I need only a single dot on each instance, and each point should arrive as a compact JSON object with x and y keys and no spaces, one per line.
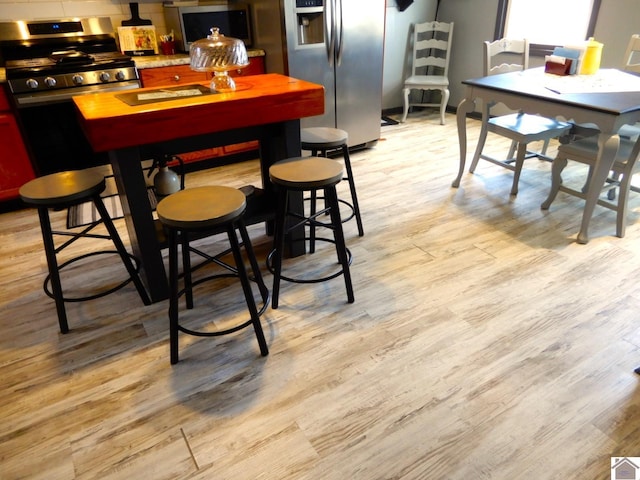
{"x":352,"y":188}
{"x":246,"y":287}
{"x":621,"y":211}
{"x":512,"y":150}
{"x":522,"y":152}
{"x":559,"y":163}
{"x":122,"y":251}
{"x":405,"y":94}
{"x":52,"y":264}
{"x":341,"y":249}
{"x":545,"y":145}
{"x":443,"y":104}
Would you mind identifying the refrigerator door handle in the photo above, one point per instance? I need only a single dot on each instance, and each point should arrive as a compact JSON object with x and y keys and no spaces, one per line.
{"x":329,"y":29}
{"x":340,"y":32}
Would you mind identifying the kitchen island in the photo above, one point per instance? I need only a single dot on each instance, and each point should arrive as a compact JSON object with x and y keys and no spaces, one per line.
{"x":148,"y":122}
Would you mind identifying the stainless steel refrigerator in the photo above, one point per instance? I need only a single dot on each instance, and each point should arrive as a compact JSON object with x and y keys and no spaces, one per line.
{"x":336,"y":43}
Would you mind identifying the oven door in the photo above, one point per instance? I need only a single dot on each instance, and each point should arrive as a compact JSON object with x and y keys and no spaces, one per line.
{"x":53,"y":135}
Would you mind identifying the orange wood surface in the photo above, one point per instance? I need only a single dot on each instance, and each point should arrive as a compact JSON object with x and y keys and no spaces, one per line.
{"x":181,"y":74}
{"x":110,"y":124}
{"x":171,"y":75}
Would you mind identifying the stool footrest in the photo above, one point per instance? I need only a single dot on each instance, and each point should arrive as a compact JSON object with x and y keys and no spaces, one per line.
{"x":310,"y":280}
{"x":104,"y":293}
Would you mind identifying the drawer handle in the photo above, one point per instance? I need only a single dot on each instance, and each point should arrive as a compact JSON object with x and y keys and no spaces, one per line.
{"x":176,"y":78}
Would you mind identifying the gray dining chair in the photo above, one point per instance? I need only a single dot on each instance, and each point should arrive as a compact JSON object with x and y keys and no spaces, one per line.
{"x":521,"y":128}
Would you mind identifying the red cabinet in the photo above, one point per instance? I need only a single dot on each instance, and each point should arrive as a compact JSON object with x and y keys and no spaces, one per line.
{"x":15,"y":165}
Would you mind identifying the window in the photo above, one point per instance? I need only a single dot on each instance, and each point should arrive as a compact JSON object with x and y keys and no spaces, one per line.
{"x":547,"y":23}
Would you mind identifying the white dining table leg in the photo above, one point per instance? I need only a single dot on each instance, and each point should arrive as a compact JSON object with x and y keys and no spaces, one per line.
{"x":466,"y":105}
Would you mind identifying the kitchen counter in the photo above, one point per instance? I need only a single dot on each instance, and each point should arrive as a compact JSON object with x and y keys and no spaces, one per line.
{"x":156,"y":61}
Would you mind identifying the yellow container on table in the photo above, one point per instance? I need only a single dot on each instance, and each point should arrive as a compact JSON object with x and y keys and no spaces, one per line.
{"x":592,"y":57}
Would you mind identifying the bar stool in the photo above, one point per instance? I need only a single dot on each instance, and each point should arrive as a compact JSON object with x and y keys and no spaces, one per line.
{"x":63,"y":190}
{"x":205,"y":211}
{"x":320,"y":140}
{"x":307,"y":174}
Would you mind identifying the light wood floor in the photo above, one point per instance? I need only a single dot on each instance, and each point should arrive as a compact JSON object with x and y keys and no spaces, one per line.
{"x":483,"y":343}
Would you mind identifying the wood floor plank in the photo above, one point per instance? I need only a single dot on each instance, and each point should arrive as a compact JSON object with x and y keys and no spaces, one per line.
{"x":484,"y":342}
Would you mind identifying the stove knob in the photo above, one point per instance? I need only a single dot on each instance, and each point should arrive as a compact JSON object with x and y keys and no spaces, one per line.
{"x":31,"y":83}
{"x":105,"y":76}
{"x":120,"y":76}
{"x":77,"y":79}
{"x":50,"y":82}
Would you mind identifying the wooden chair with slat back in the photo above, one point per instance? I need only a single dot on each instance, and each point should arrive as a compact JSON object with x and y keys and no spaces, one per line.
{"x":430,"y":65}
{"x":520,"y":128}
{"x":632,"y":55}
{"x":631,"y":65}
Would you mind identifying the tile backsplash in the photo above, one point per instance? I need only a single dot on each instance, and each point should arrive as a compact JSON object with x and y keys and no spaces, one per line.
{"x":118,"y":10}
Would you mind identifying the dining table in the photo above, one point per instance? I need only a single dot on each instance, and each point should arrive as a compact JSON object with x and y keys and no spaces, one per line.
{"x":135,"y":124}
{"x":606,"y":100}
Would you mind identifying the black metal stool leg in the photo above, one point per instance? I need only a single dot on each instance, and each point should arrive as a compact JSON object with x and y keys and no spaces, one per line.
{"x":173,"y":295}
{"x":312,"y":226}
{"x":331,"y":195}
{"x":278,"y":242}
{"x":122,"y":251}
{"x":246,"y":287}
{"x":52,"y":264}
{"x":352,"y":188}
{"x":257,"y":275}
{"x":186,"y":269}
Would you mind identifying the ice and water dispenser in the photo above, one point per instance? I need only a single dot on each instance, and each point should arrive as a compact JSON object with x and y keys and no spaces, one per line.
{"x":310,"y":20}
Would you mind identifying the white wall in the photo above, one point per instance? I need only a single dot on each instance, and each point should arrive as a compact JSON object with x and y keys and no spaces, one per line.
{"x":617,"y":21}
{"x":474,"y":23}
{"x":118,"y":10}
{"x":397,"y":47}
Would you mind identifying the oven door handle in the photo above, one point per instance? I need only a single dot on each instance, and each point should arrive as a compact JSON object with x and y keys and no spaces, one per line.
{"x":44,"y":98}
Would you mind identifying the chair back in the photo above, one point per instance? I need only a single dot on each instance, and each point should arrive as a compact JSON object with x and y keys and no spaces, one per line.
{"x":496,"y":52}
{"x":632,"y":55}
{"x":431,"y":48}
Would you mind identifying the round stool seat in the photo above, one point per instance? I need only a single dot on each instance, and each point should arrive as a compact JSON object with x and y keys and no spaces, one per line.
{"x":62,"y":188}
{"x":322,"y":138}
{"x":302,"y":173}
{"x":201,"y":207}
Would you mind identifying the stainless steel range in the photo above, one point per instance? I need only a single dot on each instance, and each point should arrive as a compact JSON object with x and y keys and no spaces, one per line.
{"x":48,"y":62}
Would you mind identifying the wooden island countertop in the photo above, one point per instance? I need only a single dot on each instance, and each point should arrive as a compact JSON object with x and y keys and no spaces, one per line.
{"x":109,"y":123}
